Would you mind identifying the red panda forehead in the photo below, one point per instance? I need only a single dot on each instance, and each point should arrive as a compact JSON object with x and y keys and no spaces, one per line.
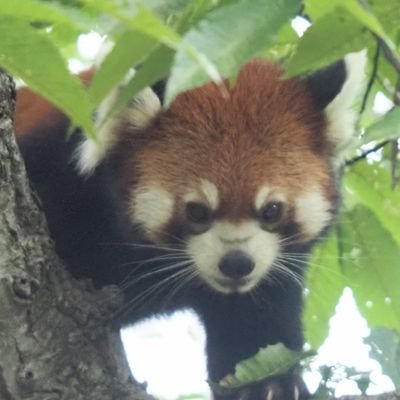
{"x":267,"y":131}
{"x":260,"y":104}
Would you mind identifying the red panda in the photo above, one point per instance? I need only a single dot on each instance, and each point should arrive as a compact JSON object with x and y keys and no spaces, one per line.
{"x":213,"y":203}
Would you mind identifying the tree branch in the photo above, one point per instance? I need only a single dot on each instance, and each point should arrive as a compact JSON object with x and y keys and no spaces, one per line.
{"x":390,"y":56}
{"x":371,"y":79}
{"x":394,"y":153}
{"x":364,"y":155}
{"x":54,"y":339}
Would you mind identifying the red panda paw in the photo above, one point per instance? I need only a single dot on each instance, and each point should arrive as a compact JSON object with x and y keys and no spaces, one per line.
{"x":291,"y":387}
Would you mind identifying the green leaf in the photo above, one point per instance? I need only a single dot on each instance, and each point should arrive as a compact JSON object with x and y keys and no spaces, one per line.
{"x":386,"y":128}
{"x":130,"y":49}
{"x":28,"y":54}
{"x":269,"y":361}
{"x":191,"y":397}
{"x":165,"y":9}
{"x":139,"y":17}
{"x":385,"y":348}
{"x":34,"y":10}
{"x":229,"y":36}
{"x":362,"y":15}
{"x":154,"y":68}
{"x":370,"y":263}
{"x":327,"y":40}
{"x":284,"y":46}
{"x":370,"y":185}
{"x":388,"y":13}
{"x":317,"y":9}
{"x":325,"y":284}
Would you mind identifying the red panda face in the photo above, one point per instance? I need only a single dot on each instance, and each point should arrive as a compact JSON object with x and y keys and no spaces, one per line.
{"x":236,"y":177}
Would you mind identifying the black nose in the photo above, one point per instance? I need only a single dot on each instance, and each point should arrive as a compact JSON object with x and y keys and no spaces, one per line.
{"x":236,"y":264}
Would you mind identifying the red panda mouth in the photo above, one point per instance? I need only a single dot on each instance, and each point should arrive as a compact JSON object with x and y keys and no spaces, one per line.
{"x":228,"y":285}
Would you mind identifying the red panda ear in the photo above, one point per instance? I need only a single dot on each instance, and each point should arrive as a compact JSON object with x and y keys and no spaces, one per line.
{"x":133,"y":118}
{"x":326,"y":84}
{"x":337,"y":89}
{"x":159,"y":89}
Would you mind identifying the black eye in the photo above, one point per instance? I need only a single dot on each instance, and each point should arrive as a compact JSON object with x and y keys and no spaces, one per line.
{"x":271,"y":214}
{"x":198,"y":213}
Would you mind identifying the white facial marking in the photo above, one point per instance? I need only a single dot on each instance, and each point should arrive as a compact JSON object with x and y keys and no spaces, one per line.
{"x":152,"y":208}
{"x":340,"y":113}
{"x":312,"y":212}
{"x":207,"y":250}
{"x":210,"y":192}
{"x":207,"y":192}
{"x":265,"y":194}
{"x":261,"y":197}
{"x":228,"y":232}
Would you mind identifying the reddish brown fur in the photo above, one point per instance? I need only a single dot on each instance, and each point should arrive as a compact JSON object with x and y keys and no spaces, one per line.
{"x":33,"y":112}
{"x":267,"y":131}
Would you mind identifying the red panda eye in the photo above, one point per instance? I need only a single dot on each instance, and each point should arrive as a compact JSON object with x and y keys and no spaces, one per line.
{"x":198,"y":213}
{"x":271,"y":214}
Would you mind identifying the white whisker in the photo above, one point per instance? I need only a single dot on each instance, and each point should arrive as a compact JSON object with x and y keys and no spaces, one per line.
{"x":158,"y":271}
{"x":192,"y":273}
{"x":287,"y":272}
{"x":135,"y":302}
{"x":146,"y":246}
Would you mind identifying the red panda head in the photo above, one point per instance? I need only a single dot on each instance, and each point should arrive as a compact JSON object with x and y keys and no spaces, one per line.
{"x":236,"y":179}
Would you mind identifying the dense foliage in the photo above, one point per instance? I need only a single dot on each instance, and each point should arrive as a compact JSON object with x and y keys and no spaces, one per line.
{"x":199,"y":40}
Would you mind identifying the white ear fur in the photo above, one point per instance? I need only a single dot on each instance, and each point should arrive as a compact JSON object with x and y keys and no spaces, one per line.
{"x":136,"y":115}
{"x":340,"y":113}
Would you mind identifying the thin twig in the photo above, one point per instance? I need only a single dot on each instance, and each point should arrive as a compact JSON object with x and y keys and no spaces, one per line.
{"x":390,"y":56}
{"x":371,"y":79}
{"x":394,"y":163}
{"x":364,"y":155}
{"x":394,"y":154}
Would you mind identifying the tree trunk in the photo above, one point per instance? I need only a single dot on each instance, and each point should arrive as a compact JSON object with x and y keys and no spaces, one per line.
{"x":54,"y":341}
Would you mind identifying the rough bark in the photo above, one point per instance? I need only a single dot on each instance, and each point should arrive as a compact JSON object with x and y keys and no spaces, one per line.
{"x":54,"y":341}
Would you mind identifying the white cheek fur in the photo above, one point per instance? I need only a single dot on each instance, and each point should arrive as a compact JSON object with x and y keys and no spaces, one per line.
{"x":207,"y":249}
{"x":312,"y":213}
{"x":152,"y":208}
